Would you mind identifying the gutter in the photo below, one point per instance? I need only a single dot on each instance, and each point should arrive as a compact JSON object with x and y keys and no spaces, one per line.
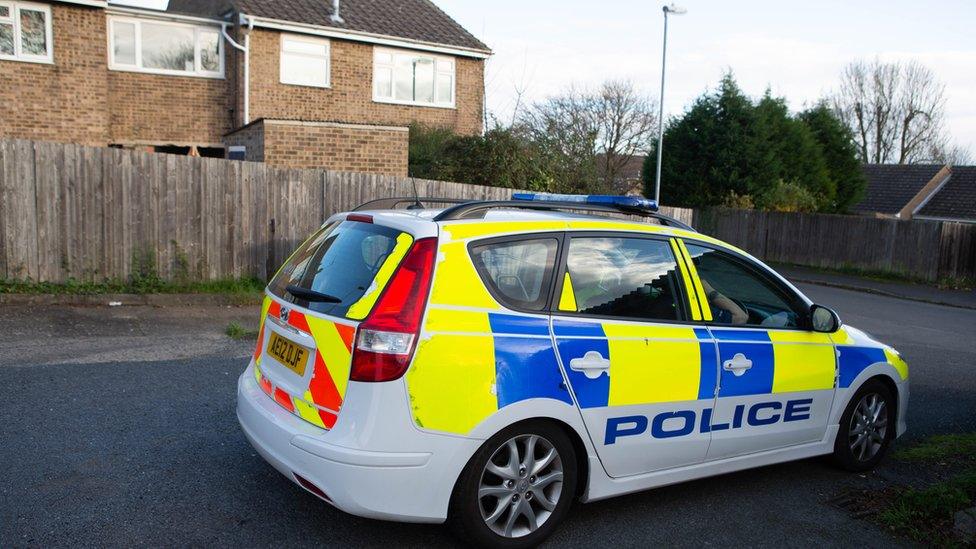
{"x":357,"y":36}
{"x":246,"y":48}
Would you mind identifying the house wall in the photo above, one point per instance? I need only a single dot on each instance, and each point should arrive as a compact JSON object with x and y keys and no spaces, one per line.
{"x":350,"y":97}
{"x":332,"y":146}
{"x":158,"y":109}
{"x":63,"y":101}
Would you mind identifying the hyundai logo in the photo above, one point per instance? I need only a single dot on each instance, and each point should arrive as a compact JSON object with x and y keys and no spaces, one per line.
{"x":283,"y":315}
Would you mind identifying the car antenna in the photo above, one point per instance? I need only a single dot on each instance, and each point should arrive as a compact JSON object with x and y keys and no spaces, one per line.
{"x":416,"y":200}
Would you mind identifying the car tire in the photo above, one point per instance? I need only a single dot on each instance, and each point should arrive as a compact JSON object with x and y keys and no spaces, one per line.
{"x":491,"y":488}
{"x":867,"y":428}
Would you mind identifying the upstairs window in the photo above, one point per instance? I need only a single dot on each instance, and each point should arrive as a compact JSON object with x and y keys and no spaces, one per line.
{"x":411,"y":78}
{"x":25,"y":32}
{"x":304,"y":61}
{"x":162,"y":47}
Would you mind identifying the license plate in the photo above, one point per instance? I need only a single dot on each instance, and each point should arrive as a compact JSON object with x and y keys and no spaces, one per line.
{"x":289,"y":353}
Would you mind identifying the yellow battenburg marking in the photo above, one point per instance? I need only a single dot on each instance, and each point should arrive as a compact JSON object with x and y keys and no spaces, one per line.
{"x":803,"y":361}
{"x":308,"y":412}
{"x":689,"y":288}
{"x":333,"y":350}
{"x":567,"y":298}
{"x":265,"y":306}
{"x":452,"y":320}
{"x":451,"y":382}
{"x":616,"y":226}
{"x":456,"y":282}
{"x":663,"y":367}
{"x":841,"y":337}
{"x":699,"y":288}
{"x":364,"y":305}
{"x":463,"y":230}
{"x":900,"y":365}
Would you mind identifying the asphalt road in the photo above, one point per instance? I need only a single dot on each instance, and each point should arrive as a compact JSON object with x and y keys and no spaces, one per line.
{"x":117,"y":427}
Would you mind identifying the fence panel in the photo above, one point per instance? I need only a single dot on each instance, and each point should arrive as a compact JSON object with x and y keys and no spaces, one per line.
{"x":84,"y":213}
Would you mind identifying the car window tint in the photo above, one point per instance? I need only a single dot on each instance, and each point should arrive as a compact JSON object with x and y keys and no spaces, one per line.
{"x":518,"y":272}
{"x":340,"y":260}
{"x":737,"y":294}
{"x":624,"y":277}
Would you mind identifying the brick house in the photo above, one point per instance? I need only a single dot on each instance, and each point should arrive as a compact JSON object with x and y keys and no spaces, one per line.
{"x":299,"y":83}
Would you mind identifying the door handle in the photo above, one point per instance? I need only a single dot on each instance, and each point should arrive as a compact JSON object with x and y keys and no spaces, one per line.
{"x":738,"y":364}
{"x":592,"y":364}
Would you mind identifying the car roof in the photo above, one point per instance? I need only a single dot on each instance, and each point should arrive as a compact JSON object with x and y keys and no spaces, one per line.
{"x":496,"y":221}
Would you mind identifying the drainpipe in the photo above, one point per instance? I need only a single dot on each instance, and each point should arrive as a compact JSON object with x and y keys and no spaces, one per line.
{"x":246,"y":48}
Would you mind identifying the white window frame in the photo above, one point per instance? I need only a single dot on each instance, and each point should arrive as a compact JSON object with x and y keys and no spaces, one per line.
{"x":14,"y":20}
{"x":439,"y":72}
{"x":138,"y":67}
{"x":309,"y":40}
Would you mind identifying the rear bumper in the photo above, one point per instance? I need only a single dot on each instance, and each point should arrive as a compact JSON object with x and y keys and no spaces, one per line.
{"x":402,"y":486}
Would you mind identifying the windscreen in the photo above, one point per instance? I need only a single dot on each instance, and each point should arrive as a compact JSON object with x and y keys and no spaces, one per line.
{"x":341,"y":260}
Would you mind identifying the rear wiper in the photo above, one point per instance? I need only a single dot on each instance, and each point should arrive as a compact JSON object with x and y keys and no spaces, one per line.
{"x":312,"y":295}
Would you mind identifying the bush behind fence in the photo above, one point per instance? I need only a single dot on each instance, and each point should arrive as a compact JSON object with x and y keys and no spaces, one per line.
{"x":94,"y":214}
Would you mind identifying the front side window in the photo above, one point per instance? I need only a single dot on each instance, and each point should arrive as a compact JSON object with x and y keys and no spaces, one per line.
{"x":304,"y":61}
{"x":163,"y":47}
{"x":413,"y":78}
{"x":25,"y":32}
{"x":740,"y":295}
{"x":518,"y":273}
{"x":621,"y":277}
{"x":340,"y":260}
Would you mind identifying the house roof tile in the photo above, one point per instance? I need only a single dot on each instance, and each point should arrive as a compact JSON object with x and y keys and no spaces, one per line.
{"x":419,"y":20}
{"x":892,"y":186}
{"x":957,"y":197}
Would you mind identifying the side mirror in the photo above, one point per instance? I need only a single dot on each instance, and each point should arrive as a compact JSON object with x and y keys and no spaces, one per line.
{"x":823,"y":319}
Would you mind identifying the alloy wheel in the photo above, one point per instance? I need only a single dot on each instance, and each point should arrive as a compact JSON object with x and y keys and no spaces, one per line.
{"x":869,"y":427}
{"x":520,"y":486}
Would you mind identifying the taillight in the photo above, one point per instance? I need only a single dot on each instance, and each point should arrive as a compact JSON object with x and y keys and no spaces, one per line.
{"x":387,"y":338}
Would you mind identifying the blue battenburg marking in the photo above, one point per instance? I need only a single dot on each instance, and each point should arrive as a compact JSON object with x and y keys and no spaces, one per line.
{"x":590,"y":393}
{"x":515,"y":324}
{"x":572,"y":328}
{"x":757,"y":380}
{"x":526,"y":367}
{"x":853,"y":360}
{"x":707,"y":376}
{"x":740,"y":335}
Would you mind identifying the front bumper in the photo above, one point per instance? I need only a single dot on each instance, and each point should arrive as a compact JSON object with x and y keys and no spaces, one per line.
{"x":402,"y":486}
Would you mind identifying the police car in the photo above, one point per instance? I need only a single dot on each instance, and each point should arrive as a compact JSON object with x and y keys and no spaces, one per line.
{"x":490,"y":363}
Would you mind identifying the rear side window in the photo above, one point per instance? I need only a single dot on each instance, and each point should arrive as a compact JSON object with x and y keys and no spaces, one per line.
{"x":622,"y":277}
{"x":518,"y":273}
{"x":340,"y":260}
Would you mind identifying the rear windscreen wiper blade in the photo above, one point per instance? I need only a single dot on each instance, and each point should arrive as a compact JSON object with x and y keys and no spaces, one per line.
{"x":311,"y":295}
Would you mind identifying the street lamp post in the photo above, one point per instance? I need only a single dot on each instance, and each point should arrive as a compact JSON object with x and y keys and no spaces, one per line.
{"x":672,"y":10}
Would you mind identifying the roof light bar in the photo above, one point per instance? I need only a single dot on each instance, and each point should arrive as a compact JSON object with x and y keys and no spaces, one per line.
{"x":622,"y":202}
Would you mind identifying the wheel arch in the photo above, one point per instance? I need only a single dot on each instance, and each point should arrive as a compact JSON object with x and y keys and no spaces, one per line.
{"x":885,"y":373}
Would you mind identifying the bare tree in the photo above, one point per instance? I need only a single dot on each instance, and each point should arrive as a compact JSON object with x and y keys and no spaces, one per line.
{"x":895,"y":110}
{"x":594,"y":132}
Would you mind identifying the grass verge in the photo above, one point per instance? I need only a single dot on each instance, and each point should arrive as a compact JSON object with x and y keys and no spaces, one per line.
{"x":926,"y":515}
{"x":887,"y":276}
{"x":940,"y":448}
{"x":938,"y":480}
{"x":246,"y":286}
{"x":240,"y":333}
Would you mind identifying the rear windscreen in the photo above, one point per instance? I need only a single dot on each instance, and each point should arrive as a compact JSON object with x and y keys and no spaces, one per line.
{"x":340,"y":260}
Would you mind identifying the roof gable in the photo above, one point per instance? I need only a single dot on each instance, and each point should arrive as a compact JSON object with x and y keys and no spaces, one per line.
{"x":891,"y":186}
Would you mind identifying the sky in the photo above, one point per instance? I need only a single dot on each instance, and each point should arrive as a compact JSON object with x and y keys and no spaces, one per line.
{"x":796,"y":48}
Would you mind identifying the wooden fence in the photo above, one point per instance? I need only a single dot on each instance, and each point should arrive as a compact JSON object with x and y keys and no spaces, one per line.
{"x":926,"y":250}
{"x":92,"y":214}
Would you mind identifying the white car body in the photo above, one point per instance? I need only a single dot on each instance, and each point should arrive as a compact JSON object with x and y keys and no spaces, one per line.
{"x":377,"y":461}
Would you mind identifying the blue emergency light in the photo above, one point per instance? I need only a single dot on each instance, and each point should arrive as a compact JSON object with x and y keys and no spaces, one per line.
{"x":622,"y":202}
